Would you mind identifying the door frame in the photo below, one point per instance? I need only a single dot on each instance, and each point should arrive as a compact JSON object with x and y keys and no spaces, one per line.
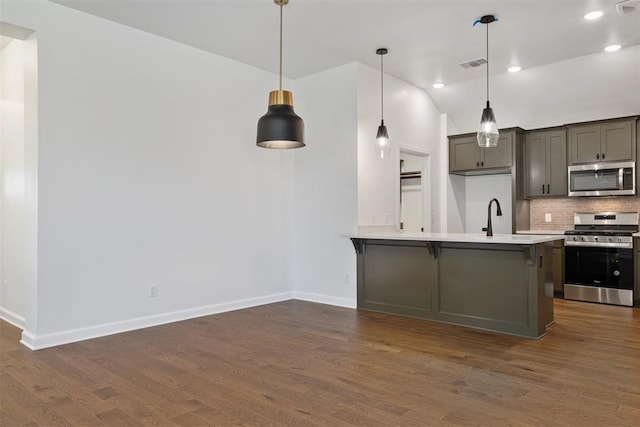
{"x":425,"y":183}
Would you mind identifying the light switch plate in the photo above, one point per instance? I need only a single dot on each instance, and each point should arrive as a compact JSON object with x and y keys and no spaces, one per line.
{"x":547,"y":217}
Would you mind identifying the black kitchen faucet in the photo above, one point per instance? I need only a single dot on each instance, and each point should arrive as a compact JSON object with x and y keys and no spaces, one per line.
{"x":489,"y":228}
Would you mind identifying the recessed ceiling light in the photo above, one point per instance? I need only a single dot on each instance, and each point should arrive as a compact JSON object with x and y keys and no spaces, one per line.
{"x":438,"y":85}
{"x":514,"y":69}
{"x":612,"y":48}
{"x":593,"y":15}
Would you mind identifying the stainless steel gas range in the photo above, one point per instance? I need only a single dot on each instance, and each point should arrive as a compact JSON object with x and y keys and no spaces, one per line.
{"x":599,"y":258}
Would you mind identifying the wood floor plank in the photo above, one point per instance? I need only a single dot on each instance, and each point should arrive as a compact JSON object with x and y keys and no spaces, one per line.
{"x":299,"y":363}
{"x":42,"y":413}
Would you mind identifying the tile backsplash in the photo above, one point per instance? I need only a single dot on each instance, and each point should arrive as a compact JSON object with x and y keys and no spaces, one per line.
{"x":562,"y":209}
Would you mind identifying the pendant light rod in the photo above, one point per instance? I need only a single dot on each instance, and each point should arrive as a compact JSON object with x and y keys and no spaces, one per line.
{"x":281,"y":4}
{"x":487,"y":65}
{"x":487,"y":19}
{"x":382,"y":51}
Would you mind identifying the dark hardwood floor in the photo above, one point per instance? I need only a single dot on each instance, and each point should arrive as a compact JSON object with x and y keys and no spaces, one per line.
{"x":299,"y":363}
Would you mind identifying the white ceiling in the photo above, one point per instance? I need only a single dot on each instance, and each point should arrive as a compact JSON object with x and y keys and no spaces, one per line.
{"x":427,"y":39}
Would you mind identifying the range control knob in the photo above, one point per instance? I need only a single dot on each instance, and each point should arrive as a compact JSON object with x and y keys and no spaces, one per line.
{"x":595,"y":238}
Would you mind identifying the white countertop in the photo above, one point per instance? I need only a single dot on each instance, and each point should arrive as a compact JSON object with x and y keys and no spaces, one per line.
{"x":513,"y":239}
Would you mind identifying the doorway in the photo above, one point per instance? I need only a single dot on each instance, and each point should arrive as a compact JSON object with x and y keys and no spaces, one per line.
{"x":413,"y":195}
{"x":18,"y":174}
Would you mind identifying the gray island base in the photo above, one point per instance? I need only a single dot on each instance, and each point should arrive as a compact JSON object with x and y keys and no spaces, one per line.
{"x":502,"y":283}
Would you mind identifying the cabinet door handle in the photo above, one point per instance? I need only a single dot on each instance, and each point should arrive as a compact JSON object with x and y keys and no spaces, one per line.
{"x":477,"y":164}
{"x":602,"y":156}
{"x":482,"y":164}
{"x":548,"y":189}
{"x":542,"y":188}
{"x":598,"y":156}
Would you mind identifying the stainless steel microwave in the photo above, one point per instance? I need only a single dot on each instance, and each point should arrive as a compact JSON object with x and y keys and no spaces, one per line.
{"x":603,"y":179}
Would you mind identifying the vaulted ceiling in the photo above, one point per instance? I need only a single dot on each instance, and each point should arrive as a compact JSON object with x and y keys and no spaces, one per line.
{"x":564,"y":67}
{"x":427,"y":39}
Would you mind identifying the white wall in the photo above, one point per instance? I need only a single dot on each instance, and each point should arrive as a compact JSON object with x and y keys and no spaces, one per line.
{"x":479,"y":191}
{"x":12,"y":184}
{"x":599,"y":86}
{"x":325,"y":188}
{"x":413,"y":121}
{"x":453,"y":204}
{"x":148,"y":174}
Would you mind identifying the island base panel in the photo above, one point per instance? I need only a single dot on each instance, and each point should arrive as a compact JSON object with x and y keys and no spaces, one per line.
{"x":499,"y":287}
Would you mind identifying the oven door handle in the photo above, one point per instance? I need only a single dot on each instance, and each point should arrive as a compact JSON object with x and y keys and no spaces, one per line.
{"x":599,"y":245}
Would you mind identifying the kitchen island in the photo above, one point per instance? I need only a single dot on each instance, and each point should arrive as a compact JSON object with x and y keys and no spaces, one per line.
{"x":502,"y":283}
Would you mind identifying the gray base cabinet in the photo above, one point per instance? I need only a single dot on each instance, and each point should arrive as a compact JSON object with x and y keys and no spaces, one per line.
{"x":546,"y":163}
{"x":607,"y":141}
{"x":499,"y":287}
{"x":558,"y":267}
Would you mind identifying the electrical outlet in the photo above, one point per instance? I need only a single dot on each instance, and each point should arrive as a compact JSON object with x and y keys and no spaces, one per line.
{"x":153,"y":291}
{"x":547,"y":217}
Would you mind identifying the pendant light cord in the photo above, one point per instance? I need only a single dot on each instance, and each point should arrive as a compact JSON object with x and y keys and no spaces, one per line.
{"x":381,"y":88}
{"x":487,"y":65}
{"x":281,"y":46}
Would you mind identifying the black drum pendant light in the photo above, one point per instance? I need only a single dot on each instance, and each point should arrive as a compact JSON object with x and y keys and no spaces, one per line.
{"x":281,"y":127}
{"x":382,"y":138}
{"x":488,"y":131}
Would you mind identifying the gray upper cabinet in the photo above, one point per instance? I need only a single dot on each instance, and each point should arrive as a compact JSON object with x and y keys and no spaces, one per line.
{"x":546,"y":163}
{"x":466,"y":157}
{"x":464,"y":153}
{"x":602,"y":141}
{"x":500,"y":156}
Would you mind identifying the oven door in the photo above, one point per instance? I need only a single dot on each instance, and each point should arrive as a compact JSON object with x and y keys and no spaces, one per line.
{"x":599,"y":266}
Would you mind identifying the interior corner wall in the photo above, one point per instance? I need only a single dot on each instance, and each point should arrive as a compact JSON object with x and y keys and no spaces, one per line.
{"x":453,"y":187}
{"x":413,"y":121}
{"x":148,"y":174}
{"x":12,"y":184}
{"x":325,"y":188}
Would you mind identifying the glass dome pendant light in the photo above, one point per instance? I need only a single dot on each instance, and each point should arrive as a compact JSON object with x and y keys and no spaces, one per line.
{"x":280,"y":127}
{"x":488,"y":132}
{"x":382,"y":138}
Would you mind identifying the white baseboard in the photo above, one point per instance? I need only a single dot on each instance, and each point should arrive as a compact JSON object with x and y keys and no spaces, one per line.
{"x":37,"y":342}
{"x":13,"y":318}
{"x":326,"y":299}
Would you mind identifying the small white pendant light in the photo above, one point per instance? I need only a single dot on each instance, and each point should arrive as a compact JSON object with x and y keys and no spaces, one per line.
{"x":488,"y":131}
{"x":280,"y":127}
{"x":382,"y":138}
